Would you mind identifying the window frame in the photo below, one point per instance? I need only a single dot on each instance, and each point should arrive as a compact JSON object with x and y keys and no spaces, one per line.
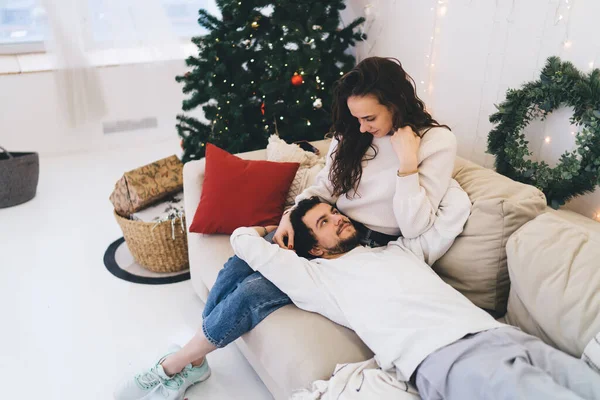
{"x":22,"y":48}
{"x":36,"y":47}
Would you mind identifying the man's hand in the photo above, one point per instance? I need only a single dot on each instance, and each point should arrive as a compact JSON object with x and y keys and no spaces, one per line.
{"x":264,"y":230}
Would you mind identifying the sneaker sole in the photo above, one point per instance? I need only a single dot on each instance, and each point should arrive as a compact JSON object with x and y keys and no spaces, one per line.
{"x":204,"y":378}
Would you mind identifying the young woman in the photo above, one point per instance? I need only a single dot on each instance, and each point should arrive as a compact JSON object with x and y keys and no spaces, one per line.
{"x":390,"y":163}
{"x":388,"y":168}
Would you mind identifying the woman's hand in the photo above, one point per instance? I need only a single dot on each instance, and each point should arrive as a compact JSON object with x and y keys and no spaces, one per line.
{"x":285,"y":230}
{"x":406,"y":145}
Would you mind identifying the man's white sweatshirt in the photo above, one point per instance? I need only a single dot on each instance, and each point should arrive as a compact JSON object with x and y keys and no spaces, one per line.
{"x":392,"y":299}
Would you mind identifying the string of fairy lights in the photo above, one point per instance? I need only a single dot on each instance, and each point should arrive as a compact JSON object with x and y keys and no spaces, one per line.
{"x":558,"y":15}
{"x":480,"y":112}
{"x":440,"y":8}
{"x":297,"y":79}
{"x":562,"y":14}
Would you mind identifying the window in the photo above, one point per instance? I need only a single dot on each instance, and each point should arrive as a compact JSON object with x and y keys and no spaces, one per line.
{"x":23,"y":22}
{"x":183,"y":15}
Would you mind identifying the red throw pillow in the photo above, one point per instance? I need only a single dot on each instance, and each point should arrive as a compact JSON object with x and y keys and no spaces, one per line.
{"x":240,"y":192}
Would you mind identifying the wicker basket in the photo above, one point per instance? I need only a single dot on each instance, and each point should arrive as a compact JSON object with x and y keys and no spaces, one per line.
{"x":19,"y":174}
{"x":159,"y":247}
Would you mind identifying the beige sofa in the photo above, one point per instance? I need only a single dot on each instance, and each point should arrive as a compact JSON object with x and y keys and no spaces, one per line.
{"x":506,"y":236}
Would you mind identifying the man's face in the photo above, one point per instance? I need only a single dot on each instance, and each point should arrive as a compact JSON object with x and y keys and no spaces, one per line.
{"x":334,"y":232}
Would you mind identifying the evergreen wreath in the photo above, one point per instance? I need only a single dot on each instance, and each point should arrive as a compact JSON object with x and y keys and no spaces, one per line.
{"x":577,"y":171}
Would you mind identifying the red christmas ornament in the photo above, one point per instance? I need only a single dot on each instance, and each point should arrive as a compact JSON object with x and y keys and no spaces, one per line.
{"x":181,"y":144}
{"x":297,"y":79}
{"x":187,"y":74}
{"x":262,"y":108}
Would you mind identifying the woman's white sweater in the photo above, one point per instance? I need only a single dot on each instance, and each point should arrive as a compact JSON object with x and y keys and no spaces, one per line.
{"x":390,"y":204}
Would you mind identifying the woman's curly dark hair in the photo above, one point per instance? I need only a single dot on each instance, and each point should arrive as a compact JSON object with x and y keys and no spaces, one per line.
{"x":385,"y":79}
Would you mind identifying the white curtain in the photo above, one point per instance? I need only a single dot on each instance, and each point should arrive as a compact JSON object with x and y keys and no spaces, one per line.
{"x":86,"y":34}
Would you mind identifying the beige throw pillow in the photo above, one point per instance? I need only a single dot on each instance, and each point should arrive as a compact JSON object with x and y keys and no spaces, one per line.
{"x":476,"y":265}
{"x":310,"y":165}
{"x":555,"y":292}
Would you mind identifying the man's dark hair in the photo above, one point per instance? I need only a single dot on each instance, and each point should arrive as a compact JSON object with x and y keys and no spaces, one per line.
{"x":304,"y":240}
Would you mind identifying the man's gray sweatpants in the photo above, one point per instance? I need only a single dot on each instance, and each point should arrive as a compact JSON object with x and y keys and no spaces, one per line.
{"x":506,"y":364}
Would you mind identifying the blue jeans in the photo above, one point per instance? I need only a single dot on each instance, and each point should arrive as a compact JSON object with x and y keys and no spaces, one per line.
{"x":238,"y":301}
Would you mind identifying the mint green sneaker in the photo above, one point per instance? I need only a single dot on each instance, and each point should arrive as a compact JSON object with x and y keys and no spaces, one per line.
{"x":152,"y":381}
{"x":155,"y":384}
{"x":192,"y":375}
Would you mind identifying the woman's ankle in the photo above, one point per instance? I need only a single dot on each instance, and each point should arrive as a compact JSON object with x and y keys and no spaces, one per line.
{"x":169,"y":366}
{"x":198,"y":362}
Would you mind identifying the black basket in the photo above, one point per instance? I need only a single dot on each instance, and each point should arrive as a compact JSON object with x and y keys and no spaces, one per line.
{"x":19,"y":174}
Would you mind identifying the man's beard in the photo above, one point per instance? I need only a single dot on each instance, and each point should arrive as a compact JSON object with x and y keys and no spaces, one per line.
{"x":345,"y":245}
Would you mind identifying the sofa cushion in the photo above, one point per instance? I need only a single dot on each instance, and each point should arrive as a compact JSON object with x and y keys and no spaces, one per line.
{"x":475,"y":265}
{"x":296,"y":347}
{"x":281,"y":151}
{"x":240,"y":192}
{"x":553,"y":267}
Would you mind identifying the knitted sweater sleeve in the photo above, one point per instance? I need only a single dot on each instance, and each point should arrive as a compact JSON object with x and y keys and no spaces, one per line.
{"x":418,"y":196}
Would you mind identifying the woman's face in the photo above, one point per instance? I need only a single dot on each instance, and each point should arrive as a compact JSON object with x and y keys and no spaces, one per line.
{"x":374,"y":117}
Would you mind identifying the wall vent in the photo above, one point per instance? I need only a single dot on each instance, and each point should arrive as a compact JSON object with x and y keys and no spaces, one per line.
{"x":129,"y":125}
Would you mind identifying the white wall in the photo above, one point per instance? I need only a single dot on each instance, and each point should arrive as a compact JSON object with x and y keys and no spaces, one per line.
{"x":31,"y":118}
{"x":479,"y":49}
{"x":482,"y":47}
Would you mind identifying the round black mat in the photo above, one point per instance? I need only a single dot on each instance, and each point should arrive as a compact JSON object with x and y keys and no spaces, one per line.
{"x":119,"y":262}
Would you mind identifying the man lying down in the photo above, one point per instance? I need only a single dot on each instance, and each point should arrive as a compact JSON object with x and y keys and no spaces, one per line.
{"x":415,"y":324}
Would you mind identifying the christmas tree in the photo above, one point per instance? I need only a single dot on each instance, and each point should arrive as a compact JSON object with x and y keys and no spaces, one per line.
{"x":266,"y":67}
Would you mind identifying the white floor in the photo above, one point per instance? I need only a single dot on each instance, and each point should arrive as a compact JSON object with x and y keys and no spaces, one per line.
{"x":70,"y":330}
